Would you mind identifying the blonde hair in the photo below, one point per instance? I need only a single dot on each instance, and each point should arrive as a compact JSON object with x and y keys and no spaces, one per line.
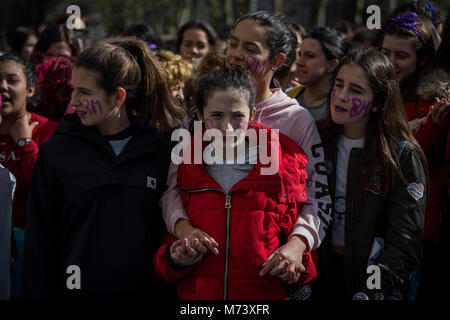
{"x":178,"y":70}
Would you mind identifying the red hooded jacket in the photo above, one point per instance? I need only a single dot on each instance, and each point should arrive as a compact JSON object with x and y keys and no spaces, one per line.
{"x":249,"y":223}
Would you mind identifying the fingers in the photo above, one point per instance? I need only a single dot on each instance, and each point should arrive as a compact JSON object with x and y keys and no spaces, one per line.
{"x":34,"y":125}
{"x":271,"y":262}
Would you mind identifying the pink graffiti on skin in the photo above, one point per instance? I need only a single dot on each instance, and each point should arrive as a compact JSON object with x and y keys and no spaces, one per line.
{"x":359,"y":106}
{"x":243,"y":124}
{"x":254,"y":65}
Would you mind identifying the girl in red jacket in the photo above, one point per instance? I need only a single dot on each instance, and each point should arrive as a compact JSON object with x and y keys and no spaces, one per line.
{"x":21,"y":135}
{"x":21,"y":132}
{"x":248,"y":212}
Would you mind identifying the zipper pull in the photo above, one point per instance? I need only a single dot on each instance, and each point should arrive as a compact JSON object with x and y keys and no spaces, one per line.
{"x":228,"y":202}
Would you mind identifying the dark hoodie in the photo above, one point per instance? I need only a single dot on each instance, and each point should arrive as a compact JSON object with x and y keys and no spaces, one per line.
{"x":90,"y":209}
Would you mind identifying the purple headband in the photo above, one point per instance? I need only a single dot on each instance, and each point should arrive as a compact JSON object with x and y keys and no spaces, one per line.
{"x":408,"y":20}
{"x":152,"y":46}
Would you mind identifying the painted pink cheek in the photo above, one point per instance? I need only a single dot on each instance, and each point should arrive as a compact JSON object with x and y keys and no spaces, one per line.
{"x":242,"y":124}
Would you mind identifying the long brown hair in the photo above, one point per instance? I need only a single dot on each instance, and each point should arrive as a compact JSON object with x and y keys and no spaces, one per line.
{"x":386,"y":127}
{"x":424,"y":46}
{"x":129,"y":63}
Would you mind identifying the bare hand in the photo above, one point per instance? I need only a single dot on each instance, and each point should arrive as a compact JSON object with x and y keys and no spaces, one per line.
{"x":418,"y":123}
{"x":183,"y":253}
{"x":286,"y":261}
{"x":21,"y":128}
{"x":184,"y":229}
{"x":439,"y":114}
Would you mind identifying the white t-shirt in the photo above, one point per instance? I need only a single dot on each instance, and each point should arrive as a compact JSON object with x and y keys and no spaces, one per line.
{"x":345,"y":146}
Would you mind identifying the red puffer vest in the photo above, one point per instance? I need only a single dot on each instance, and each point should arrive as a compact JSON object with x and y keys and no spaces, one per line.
{"x":249,"y":223}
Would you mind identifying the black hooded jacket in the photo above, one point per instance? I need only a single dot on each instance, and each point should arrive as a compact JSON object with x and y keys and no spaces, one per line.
{"x":95,"y":211}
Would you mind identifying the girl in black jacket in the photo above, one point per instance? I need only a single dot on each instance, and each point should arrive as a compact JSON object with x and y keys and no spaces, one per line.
{"x":378,"y":181}
{"x":94,"y":221}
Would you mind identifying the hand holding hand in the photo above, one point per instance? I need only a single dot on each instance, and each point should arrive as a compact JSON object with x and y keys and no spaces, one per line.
{"x":286,"y":261}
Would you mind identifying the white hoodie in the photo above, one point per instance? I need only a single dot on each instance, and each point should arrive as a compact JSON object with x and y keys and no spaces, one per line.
{"x":283,"y":113}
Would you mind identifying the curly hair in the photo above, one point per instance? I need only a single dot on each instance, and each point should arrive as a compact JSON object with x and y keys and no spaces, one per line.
{"x":178,"y":70}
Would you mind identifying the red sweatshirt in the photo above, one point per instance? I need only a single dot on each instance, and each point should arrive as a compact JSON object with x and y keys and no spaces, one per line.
{"x":20,"y":161}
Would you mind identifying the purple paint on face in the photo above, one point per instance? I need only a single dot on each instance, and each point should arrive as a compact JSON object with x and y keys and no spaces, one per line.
{"x":97,"y":104}
{"x":243,"y":124}
{"x":254,"y":65}
{"x":209,"y":123}
{"x":86,"y":104}
{"x":1,"y":103}
{"x":358,"y":107}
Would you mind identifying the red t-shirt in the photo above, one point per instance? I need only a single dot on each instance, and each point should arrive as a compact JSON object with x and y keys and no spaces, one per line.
{"x":20,"y":162}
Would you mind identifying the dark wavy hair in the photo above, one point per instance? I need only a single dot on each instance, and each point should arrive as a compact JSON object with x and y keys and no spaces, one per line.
{"x":279,"y":39}
{"x":223,"y":79}
{"x":33,"y":103}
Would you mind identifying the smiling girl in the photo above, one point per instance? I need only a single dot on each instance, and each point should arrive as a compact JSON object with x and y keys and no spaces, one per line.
{"x":379,"y":201}
{"x":249,"y":213}
{"x":21,"y":132}
{"x":320,"y":53}
{"x":95,"y":190}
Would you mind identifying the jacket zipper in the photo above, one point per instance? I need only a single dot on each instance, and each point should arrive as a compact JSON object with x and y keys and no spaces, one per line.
{"x":227,"y":239}
{"x":227,"y":246}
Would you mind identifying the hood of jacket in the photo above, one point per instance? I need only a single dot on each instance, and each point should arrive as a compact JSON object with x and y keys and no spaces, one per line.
{"x":434,"y":84}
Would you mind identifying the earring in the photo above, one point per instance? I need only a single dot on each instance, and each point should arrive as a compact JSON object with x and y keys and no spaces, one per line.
{"x":118,"y":115}
{"x":273,"y":69}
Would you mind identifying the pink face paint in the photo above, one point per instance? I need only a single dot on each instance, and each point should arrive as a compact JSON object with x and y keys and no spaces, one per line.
{"x":242,"y":124}
{"x":209,"y":123}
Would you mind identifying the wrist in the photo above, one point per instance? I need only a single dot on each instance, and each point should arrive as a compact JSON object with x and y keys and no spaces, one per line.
{"x":182,"y":226}
{"x":299,"y":241}
{"x":20,"y":142}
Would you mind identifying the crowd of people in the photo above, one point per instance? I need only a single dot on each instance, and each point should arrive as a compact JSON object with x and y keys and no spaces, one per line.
{"x":357,"y":124}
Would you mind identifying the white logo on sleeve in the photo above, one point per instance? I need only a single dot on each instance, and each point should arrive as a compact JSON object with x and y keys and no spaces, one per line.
{"x":416,"y":190}
{"x":151,"y":183}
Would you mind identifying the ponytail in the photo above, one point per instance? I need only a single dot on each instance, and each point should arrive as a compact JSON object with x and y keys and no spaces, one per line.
{"x":128,"y":63}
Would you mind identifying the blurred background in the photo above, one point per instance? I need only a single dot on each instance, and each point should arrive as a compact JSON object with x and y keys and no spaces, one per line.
{"x":108,"y":17}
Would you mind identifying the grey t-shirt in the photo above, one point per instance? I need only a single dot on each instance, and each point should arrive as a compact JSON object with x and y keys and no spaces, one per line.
{"x":230,"y":173}
{"x":317,"y":113}
{"x":119,"y":140}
